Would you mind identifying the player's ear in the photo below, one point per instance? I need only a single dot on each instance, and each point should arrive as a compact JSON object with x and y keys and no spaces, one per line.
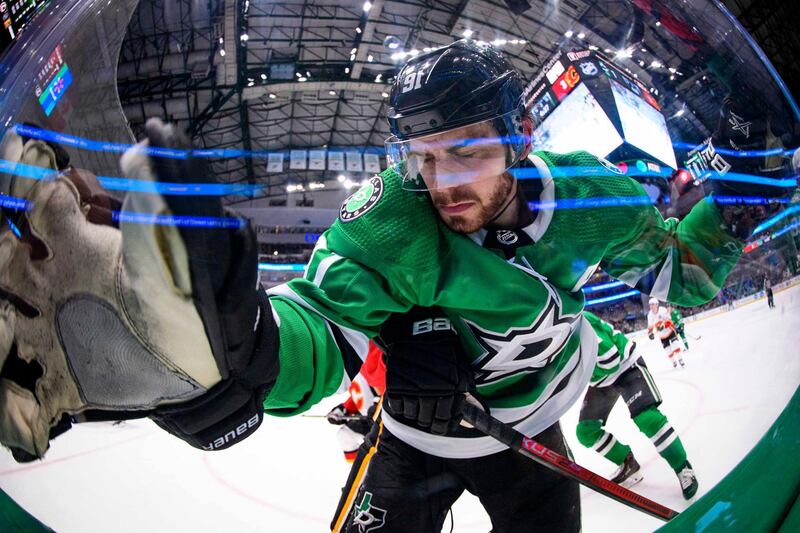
{"x":527,"y":132}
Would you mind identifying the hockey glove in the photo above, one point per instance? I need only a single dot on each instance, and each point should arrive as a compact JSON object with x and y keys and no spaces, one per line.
{"x":426,"y":375}
{"x":652,"y":336}
{"x":747,"y":185}
{"x":146,"y":319}
{"x":340,"y":416}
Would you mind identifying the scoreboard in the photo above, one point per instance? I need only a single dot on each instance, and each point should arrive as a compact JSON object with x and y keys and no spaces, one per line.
{"x":582,"y":101}
{"x":15,"y":15}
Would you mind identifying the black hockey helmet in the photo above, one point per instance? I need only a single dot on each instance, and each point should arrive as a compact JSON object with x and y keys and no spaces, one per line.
{"x":458,"y":85}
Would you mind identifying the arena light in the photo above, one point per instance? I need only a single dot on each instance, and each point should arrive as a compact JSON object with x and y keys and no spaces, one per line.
{"x":341,"y":178}
{"x":367,"y":6}
{"x":385,"y":94}
{"x":467,"y":33}
{"x":263,"y":76}
{"x":568,"y":34}
{"x":222,"y":52}
{"x":272,"y":96}
{"x":581,"y":35}
{"x":370,"y":58}
{"x":244,"y":37}
{"x":358,"y":30}
{"x":332,"y":93}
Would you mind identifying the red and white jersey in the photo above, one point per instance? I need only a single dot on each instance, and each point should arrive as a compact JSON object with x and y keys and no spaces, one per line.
{"x":660,"y":323}
{"x":368,"y":384}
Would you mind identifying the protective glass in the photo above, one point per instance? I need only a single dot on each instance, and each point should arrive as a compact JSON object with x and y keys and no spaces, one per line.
{"x":460,"y":156}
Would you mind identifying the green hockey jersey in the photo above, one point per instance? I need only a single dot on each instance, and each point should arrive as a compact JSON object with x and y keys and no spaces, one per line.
{"x":676,"y":317}
{"x":514,"y":296}
{"x":614,"y":352}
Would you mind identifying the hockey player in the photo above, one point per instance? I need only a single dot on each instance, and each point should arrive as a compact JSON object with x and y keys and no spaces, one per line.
{"x":355,"y":414}
{"x":162,"y":315}
{"x":677,"y":321}
{"x":659,"y":323}
{"x":768,"y":291}
{"x":620,"y":372}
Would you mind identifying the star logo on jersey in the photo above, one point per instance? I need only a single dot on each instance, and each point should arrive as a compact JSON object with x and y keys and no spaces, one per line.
{"x":522,"y":349}
{"x":739,"y":124}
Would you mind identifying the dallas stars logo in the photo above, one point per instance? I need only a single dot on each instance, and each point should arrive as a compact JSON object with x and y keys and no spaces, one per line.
{"x":738,"y":124}
{"x":368,"y":518}
{"x":523,"y":349}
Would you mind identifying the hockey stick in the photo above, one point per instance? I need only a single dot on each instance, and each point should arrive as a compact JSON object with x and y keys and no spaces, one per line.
{"x":528,"y":447}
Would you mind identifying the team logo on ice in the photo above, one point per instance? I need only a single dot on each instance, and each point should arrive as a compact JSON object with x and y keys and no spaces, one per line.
{"x":362,"y":200}
{"x":368,"y":518}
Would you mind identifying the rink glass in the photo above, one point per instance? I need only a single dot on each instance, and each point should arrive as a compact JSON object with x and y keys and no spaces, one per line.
{"x":639,"y":84}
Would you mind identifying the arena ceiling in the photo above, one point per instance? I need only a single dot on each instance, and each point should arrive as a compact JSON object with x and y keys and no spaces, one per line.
{"x":266,"y":76}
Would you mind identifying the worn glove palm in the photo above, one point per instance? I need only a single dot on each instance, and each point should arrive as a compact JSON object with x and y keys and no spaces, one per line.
{"x":148,"y":319}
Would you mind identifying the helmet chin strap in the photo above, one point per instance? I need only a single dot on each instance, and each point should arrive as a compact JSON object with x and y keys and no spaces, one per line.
{"x":512,"y":195}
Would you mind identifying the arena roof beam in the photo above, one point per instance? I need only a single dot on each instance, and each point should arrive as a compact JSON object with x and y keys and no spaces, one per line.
{"x":367,"y":32}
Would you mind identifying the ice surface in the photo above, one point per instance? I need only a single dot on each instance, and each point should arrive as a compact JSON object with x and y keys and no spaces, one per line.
{"x":133,"y":477}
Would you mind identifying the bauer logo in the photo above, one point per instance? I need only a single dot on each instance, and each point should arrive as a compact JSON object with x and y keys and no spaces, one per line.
{"x":232,"y":435}
{"x":362,"y":200}
{"x":430,"y":324}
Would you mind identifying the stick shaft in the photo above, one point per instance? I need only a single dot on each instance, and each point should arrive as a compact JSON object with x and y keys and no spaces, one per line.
{"x":528,"y":447}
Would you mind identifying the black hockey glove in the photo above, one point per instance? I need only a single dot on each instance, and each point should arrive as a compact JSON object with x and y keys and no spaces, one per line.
{"x":426,"y":373}
{"x":340,"y":416}
{"x":651,"y":335}
{"x":747,"y":186}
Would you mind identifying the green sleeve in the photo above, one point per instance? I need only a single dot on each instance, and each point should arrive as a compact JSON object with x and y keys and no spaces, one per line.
{"x":684,"y":262}
{"x":325,"y":321}
{"x":382,"y":260}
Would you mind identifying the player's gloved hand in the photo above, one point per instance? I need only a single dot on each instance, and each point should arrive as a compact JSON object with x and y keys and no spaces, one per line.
{"x":340,"y":416}
{"x":426,"y":373}
{"x":148,"y":319}
{"x":749,"y":181}
{"x":651,"y":335}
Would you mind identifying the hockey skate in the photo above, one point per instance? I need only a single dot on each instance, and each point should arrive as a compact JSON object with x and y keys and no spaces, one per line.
{"x":688,"y":480}
{"x":628,"y":474}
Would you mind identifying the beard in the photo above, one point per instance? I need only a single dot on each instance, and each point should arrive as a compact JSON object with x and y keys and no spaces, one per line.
{"x":483,"y":211}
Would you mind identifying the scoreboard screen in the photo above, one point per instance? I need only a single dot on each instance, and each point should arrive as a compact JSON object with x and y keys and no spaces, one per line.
{"x":15,"y":15}
{"x":579,"y":123}
{"x":52,"y":81}
{"x":581,"y":101}
{"x":643,"y":126}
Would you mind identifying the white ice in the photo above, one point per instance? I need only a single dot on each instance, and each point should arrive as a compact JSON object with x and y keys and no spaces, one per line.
{"x":287,"y":477}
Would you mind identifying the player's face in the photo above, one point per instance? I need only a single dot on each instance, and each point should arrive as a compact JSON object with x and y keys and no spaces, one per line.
{"x":471,"y":204}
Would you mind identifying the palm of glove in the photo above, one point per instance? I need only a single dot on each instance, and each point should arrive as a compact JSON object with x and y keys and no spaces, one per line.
{"x":93,"y":317}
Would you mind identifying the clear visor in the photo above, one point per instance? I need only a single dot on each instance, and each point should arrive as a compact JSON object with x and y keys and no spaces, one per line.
{"x":455,"y":157}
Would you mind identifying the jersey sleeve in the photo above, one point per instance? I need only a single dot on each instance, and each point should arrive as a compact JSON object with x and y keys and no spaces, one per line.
{"x":614,"y":348}
{"x":325,"y":321}
{"x":684,"y":262}
{"x":381,"y":259}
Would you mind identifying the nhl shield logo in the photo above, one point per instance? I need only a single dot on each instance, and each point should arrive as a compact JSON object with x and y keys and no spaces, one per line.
{"x":506,"y":237}
{"x":588,"y":68}
{"x":362,"y":200}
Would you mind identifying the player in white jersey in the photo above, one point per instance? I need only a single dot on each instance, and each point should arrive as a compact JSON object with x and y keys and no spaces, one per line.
{"x":660,"y":323}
